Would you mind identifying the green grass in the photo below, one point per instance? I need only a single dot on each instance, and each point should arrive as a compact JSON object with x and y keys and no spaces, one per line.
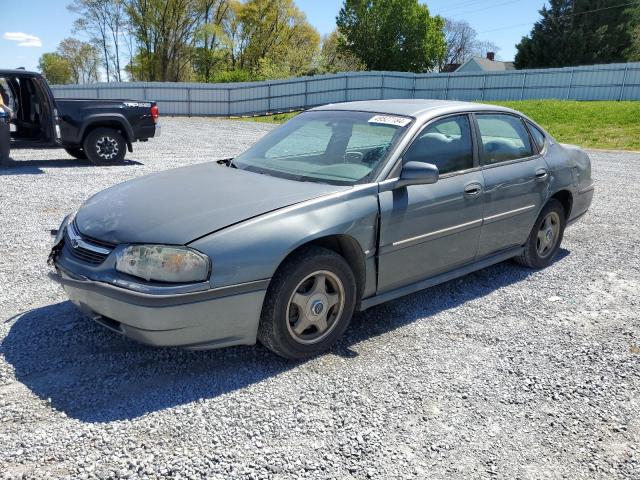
{"x":606,"y":125}
{"x":277,"y":118}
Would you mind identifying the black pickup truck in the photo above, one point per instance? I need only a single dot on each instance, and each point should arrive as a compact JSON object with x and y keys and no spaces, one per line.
{"x":100,"y":130}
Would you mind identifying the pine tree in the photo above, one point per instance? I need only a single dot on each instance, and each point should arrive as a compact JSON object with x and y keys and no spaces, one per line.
{"x":578,"y":32}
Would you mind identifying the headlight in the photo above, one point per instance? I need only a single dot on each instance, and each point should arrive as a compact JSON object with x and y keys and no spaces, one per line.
{"x":163,"y":263}
{"x":60,"y":235}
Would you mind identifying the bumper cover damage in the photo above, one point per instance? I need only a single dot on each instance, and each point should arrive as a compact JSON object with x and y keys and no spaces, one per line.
{"x":207,"y":319}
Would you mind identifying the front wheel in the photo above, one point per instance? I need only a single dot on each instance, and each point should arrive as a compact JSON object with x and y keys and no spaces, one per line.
{"x":545,"y":237}
{"x":309,"y":304}
{"x":105,"y":146}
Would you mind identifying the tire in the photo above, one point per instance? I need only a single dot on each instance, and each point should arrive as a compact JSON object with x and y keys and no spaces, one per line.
{"x":105,"y":146}
{"x":298,"y":332}
{"x":76,"y":152}
{"x":542,"y":246}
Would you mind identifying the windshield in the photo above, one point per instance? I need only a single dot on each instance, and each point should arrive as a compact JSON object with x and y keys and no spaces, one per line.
{"x":337,"y":147}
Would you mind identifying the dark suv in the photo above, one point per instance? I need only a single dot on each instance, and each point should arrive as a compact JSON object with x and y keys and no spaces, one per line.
{"x":100,"y":130}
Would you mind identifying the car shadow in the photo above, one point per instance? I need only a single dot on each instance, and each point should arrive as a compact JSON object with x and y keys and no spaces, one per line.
{"x":35,"y":167}
{"x":94,"y":375}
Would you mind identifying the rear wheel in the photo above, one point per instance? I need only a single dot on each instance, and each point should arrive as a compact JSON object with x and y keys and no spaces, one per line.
{"x":309,"y":304}
{"x":545,"y":237}
{"x":105,"y":146}
{"x":76,"y":152}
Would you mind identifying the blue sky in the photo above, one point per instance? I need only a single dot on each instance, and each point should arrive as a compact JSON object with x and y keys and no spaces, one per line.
{"x":28,"y":28}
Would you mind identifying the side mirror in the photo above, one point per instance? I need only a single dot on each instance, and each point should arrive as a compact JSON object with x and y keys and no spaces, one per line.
{"x":417,"y":173}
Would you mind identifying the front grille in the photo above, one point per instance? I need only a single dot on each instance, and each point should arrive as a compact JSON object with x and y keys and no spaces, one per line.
{"x":86,"y":249}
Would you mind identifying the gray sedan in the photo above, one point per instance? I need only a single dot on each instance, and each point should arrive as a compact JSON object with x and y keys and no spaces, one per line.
{"x":342,"y":208}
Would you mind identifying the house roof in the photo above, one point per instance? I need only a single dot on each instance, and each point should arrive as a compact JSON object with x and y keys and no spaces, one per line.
{"x":450,"y":67}
{"x":490,"y":65}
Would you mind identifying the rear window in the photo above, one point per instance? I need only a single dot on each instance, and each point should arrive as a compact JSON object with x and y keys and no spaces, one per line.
{"x":503,"y":137}
{"x":537,"y":135}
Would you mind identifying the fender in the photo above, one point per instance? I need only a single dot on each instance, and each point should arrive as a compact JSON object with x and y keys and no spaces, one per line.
{"x":107,"y":119}
{"x":255,"y":248}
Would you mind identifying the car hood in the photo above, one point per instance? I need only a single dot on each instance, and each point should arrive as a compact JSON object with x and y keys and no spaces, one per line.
{"x":178,"y":206}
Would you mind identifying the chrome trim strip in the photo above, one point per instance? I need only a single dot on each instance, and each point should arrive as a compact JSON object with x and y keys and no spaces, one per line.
{"x":510,"y":213}
{"x":464,"y":226}
{"x":444,"y":231}
{"x":78,"y":241}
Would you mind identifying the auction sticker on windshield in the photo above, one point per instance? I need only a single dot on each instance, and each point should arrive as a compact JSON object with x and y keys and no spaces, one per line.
{"x":390,"y":120}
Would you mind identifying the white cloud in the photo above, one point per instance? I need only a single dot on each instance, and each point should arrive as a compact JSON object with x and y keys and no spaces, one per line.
{"x":23,"y":39}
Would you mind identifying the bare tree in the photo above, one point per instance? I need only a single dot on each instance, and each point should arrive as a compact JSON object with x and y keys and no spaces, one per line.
{"x":482,"y":48}
{"x":104,"y":21}
{"x":460,"y":38}
{"x":462,"y":43}
{"x":129,"y":40}
{"x":92,"y":20}
{"x":116,"y":24}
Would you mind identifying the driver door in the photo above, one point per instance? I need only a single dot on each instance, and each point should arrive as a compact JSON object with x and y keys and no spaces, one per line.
{"x":429,"y":229}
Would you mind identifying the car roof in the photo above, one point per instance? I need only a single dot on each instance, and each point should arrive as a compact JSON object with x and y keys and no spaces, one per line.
{"x":18,"y":72}
{"x":420,"y":109}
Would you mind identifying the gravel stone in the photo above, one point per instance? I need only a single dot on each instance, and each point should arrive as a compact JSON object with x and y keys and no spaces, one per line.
{"x":505,"y":373}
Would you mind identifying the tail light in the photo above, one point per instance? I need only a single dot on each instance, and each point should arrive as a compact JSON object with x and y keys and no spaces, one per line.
{"x":155,"y":113}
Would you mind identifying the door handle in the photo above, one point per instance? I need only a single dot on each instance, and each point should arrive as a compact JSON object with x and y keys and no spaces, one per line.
{"x":542,"y":174}
{"x":472,"y":189}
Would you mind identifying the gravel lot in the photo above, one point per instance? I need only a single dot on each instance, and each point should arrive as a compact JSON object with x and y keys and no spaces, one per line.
{"x":506,"y":373}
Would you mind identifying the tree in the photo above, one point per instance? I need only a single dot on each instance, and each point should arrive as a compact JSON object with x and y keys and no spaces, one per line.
{"x":104,"y":22}
{"x":274,"y":32}
{"x":211,"y":52}
{"x":577,"y":32}
{"x":461,"y":43}
{"x":83,"y":59}
{"x":633,"y":52}
{"x":206,"y":40}
{"x":333,"y":59}
{"x":55,"y":68}
{"x":166,"y":32}
{"x":392,"y":34}
{"x":116,"y":23}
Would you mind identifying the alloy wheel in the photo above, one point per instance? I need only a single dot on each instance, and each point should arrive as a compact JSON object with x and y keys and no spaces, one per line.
{"x":107,"y":148}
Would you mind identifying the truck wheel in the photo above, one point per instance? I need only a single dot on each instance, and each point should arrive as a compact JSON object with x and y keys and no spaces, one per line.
{"x":545,"y":237}
{"x":105,"y":146}
{"x":308,"y":305}
{"x":76,"y":152}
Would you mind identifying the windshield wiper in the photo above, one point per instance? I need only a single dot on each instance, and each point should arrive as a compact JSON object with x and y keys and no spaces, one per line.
{"x":227,"y":162}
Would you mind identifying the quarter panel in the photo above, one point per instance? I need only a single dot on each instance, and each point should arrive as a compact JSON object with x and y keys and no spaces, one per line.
{"x":571,"y":170}
{"x":563,"y":167}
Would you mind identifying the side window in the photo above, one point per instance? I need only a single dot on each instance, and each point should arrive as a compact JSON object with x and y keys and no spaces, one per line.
{"x":537,"y":135}
{"x":445,"y":143}
{"x":503,"y":138}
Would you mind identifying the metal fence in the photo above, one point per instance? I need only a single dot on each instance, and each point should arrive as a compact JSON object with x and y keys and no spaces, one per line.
{"x":600,"y":82}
